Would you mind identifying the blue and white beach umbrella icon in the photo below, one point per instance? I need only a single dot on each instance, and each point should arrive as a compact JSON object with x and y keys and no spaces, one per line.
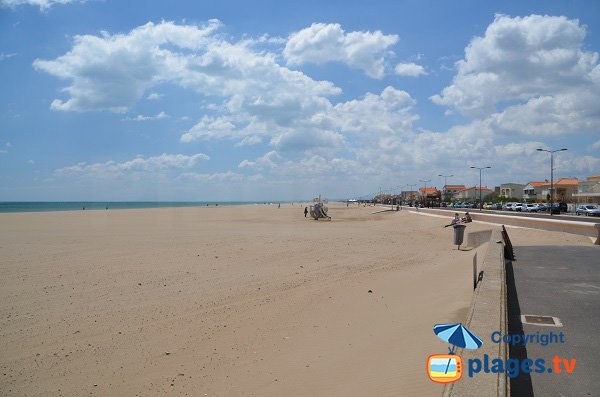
{"x":458,"y":335}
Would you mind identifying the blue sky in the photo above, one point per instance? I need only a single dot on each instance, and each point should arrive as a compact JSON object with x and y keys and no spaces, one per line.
{"x":112,"y":100}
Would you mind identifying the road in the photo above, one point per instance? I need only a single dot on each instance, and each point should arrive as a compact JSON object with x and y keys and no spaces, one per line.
{"x":564,"y":217}
{"x":563,"y":282}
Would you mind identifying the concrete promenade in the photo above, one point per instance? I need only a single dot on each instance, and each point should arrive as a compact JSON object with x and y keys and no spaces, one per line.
{"x":562,"y":282}
{"x":542,"y":215}
{"x":591,"y":229}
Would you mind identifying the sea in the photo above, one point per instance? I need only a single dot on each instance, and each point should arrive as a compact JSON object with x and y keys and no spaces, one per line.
{"x":39,"y":206}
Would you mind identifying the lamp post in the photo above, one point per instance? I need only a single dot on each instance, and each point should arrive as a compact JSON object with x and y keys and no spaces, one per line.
{"x":425,"y":191}
{"x":551,"y":174}
{"x":411,"y":187}
{"x":445,"y":183}
{"x":400,"y":194}
{"x":480,"y":169}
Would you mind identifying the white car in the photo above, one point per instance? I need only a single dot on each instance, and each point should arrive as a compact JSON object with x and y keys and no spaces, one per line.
{"x":588,"y":209}
{"x":508,"y":206}
{"x":529,"y":208}
{"x":517,"y":207}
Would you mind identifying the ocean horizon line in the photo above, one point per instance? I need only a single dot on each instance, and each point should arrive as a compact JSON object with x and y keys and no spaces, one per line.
{"x":50,"y":206}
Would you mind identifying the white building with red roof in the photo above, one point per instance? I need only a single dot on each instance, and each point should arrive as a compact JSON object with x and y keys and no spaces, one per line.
{"x":533,"y":191}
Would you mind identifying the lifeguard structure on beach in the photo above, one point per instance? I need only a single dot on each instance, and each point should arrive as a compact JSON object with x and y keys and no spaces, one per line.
{"x":319,"y":209}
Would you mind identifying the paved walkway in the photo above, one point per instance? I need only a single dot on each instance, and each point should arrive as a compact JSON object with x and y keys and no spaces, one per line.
{"x":562,"y":217}
{"x":563,"y":282}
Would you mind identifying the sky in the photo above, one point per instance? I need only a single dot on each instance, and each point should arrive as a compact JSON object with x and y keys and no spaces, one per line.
{"x":271,"y":100}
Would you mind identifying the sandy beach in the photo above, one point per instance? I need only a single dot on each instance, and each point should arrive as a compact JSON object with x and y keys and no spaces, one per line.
{"x":229,"y":301}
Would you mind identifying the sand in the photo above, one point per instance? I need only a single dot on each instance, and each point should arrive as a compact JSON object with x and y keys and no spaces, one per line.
{"x":227,"y":301}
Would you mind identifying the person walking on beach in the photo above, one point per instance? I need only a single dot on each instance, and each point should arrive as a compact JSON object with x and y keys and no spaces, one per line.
{"x":305,"y":211}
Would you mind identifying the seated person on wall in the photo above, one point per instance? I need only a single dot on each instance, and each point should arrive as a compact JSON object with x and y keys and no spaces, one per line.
{"x":456,"y":219}
{"x":467,"y":218}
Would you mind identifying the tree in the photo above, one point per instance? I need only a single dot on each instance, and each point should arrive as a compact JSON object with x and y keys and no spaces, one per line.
{"x":491,"y":197}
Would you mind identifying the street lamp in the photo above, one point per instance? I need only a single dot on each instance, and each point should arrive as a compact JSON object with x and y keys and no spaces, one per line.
{"x":400,"y":187}
{"x":411,"y":186}
{"x":445,"y":183}
{"x":551,"y":174}
{"x":425,"y":191}
{"x":480,"y":168}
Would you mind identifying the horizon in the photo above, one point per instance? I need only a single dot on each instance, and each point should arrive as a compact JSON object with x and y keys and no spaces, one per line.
{"x":186,"y":102}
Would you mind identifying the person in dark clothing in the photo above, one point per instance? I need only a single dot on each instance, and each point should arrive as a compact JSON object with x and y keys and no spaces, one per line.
{"x":467,"y":218}
{"x":305,"y":211}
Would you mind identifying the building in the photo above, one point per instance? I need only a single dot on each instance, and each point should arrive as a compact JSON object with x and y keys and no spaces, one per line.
{"x":588,"y":191}
{"x":429,"y":193}
{"x":564,"y":189}
{"x":511,"y":191}
{"x":450,"y":190}
{"x":410,"y":195}
{"x":472,"y":193}
{"x":533,"y":191}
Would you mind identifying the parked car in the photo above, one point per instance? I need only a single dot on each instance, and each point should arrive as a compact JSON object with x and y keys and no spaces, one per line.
{"x":517,"y":207}
{"x":561,"y":207}
{"x":529,"y":208}
{"x":557,"y":208}
{"x":498,"y":206}
{"x":541,"y":207}
{"x":588,"y":210}
{"x":488,"y":206}
{"x":508,"y":206}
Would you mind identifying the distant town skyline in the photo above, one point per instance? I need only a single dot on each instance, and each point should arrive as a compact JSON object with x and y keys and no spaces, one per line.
{"x":252,"y":101}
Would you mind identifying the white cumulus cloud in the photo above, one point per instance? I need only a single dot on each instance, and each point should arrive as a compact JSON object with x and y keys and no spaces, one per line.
{"x":43,"y":4}
{"x":250,"y":140}
{"x":409,"y":69}
{"x":112,"y":72}
{"x":322,"y":43}
{"x":153,"y":96}
{"x":139,"y":164}
{"x":211,"y":127}
{"x":4,"y":56}
{"x":215,"y":177}
{"x":248,"y":97}
{"x":528,"y":75}
{"x":140,"y":117}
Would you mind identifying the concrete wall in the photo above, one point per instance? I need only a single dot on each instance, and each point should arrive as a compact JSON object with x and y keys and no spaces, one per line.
{"x":475,"y":239}
{"x":488,"y":313}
